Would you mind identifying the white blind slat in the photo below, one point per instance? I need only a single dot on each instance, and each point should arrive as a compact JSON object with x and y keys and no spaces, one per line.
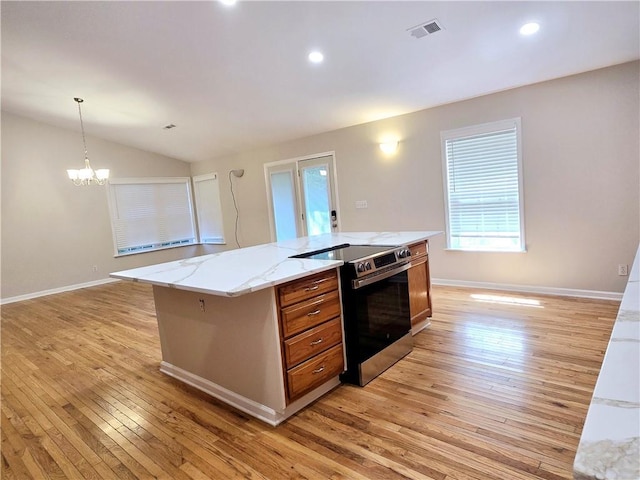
{"x":482,"y":186}
{"x":149,"y":214}
{"x":208,"y":208}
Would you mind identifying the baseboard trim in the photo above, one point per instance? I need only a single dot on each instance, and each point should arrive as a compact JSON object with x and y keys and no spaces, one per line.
{"x":563,"y":292}
{"x":418,"y":327}
{"x":53,"y":291}
{"x":244,"y":404}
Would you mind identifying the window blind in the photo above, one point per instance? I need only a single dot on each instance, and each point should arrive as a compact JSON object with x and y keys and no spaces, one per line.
{"x":151,"y":214}
{"x":208,"y":209}
{"x":483,"y":182}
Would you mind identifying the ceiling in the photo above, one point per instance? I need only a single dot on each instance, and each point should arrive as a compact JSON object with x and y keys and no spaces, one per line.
{"x":236,"y":78}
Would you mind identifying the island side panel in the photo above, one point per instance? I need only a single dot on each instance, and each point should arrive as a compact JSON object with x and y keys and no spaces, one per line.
{"x":230,"y":341}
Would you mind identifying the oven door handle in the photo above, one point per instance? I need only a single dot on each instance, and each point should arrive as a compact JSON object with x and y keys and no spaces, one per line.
{"x":355,"y":284}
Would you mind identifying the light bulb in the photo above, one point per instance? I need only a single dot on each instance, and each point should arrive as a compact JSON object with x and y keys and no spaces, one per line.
{"x":529,"y":28}
{"x":389,"y":147}
{"x":316,"y":57}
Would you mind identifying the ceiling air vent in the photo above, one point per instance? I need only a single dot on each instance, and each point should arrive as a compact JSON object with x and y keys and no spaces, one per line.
{"x":431,"y":27}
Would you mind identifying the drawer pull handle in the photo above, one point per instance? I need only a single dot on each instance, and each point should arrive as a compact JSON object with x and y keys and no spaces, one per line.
{"x":315,"y":312}
{"x":318,"y":370}
{"x":311,"y":289}
{"x":316,"y":342}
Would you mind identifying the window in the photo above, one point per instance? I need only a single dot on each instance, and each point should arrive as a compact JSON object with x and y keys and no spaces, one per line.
{"x":151,"y":214}
{"x":206,"y":190}
{"x":482,"y":171}
{"x":283,"y":199}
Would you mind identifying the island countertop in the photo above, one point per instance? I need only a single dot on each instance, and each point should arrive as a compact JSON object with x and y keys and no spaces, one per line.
{"x":244,"y":270}
{"x":609,"y":447}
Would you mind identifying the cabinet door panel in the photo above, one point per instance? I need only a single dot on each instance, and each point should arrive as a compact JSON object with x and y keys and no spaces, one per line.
{"x":308,"y":287}
{"x":313,"y":341}
{"x":314,"y":372}
{"x":418,"y":249}
{"x":310,"y":313}
{"x":419,"y":300}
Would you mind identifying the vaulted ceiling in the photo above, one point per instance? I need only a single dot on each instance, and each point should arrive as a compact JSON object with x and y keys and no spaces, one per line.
{"x":232,"y":78}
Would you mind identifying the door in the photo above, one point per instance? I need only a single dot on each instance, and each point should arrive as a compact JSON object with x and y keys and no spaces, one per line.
{"x":319,"y":213}
{"x":302,"y":197}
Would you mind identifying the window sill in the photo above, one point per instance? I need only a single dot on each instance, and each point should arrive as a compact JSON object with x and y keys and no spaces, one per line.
{"x":151,"y":250}
{"x":483,"y":251}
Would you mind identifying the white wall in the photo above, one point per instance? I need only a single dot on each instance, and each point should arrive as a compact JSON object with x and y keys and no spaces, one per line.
{"x":581,"y":180}
{"x":581,"y":188}
{"x":53,"y":232}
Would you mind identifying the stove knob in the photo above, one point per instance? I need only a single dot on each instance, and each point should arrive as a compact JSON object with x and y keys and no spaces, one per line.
{"x":402,"y":253}
{"x":360,"y":267}
{"x":367,"y":266}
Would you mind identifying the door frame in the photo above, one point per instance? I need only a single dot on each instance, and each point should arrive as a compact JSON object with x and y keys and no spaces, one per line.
{"x":295,"y":163}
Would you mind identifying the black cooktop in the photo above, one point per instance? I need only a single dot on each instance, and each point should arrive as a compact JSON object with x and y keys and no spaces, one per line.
{"x":346,"y":253}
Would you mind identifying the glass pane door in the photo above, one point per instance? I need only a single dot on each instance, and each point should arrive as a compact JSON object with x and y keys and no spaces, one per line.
{"x":306,"y":206}
{"x":283,"y":201}
{"x":317,"y":195}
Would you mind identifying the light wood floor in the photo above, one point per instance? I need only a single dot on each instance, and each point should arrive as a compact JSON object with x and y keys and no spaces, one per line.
{"x":493,"y":390}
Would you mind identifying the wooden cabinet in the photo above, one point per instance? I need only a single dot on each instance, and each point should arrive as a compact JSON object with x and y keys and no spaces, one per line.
{"x":309,"y":313}
{"x":419,"y":287}
{"x":310,"y":332}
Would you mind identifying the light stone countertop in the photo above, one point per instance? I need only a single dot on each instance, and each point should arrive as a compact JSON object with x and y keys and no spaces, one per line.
{"x":244,"y":270}
{"x":609,"y":447}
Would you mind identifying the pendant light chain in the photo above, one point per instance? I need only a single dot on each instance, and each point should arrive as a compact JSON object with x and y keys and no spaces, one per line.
{"x":84,"y":141}
{"x":87,"y":175}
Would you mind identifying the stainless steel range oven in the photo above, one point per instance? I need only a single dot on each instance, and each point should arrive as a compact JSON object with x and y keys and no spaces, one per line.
{"x":375,"y":305}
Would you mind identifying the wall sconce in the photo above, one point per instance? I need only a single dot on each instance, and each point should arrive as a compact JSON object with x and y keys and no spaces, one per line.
{"x":389,"y":147}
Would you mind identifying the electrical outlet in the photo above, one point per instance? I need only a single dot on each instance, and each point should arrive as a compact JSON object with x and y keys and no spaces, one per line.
{"x":201,"y":300}
{"x":361,"y":204}
{"x":94,"y":268}
{"x":623,"y":270}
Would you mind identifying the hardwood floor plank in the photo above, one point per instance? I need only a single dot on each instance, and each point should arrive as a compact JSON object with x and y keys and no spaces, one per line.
{"x":497,"y":388}
{"x":63,"y":434}
{"x":12,"y":464}
{"x":36,"y":456}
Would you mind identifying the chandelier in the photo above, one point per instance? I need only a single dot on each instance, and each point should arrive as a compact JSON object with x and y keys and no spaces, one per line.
{"x":87,"y":175}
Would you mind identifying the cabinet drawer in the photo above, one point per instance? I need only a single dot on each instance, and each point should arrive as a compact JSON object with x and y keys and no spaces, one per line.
{"x":418,"y":250}
{"x":308,"y":287}
{"x":310,"y":313}
{"x":307,"y":344}
{"x":314,"y":372}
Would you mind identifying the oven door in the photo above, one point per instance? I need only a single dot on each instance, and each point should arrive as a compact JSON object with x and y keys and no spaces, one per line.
{"x":376,"y":315}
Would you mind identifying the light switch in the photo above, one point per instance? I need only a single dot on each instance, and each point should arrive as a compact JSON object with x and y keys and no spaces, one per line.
{"x":361,"y":204}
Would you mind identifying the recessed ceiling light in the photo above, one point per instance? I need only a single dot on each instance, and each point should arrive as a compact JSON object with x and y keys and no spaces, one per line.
{"x":316,"y":57}
{"x":228,"y":2}
{"x":529,"y":28}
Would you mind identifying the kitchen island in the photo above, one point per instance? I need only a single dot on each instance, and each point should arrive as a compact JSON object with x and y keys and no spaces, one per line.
{"x":220,"y":319}
{"x":609,"y":447}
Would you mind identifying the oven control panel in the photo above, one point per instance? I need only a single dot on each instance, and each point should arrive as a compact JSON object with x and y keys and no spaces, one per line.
{"x":381,"y":261}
